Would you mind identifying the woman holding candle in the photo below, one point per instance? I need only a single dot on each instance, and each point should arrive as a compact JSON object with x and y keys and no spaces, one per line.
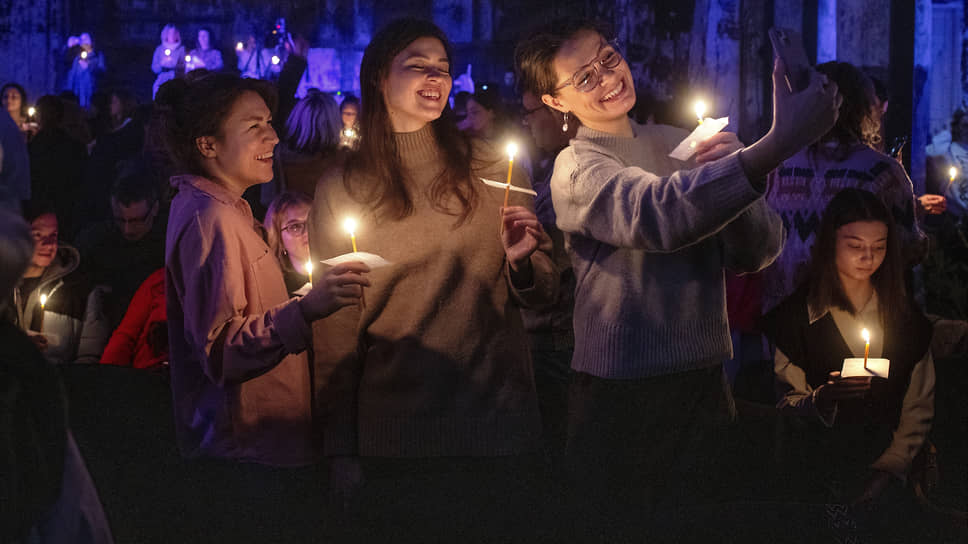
{"x":287,"y":234}
{"x":168,"y":56}
{"x":855,"y":437}
{"x":649,"y":239}
{"x":14,"y":99}
{"x":53,"y":302}
{"x":435,"y":365}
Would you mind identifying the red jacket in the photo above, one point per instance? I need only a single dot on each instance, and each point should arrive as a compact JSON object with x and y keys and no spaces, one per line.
{"x":129,"y":344}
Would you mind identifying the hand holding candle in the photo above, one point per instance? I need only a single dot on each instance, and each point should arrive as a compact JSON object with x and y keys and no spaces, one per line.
{"x":868,"y":366}
{"x":338,"y":287}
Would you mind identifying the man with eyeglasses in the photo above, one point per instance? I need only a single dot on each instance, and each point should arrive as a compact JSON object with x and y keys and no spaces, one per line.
{"x":122,"y":252}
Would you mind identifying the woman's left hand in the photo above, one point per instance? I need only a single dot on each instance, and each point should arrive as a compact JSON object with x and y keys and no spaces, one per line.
{"x":522,"y":235}
{"x":717,"y":146}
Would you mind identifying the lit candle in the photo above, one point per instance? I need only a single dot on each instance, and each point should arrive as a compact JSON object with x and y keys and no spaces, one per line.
{"x":167,"y":52}
{"x":349,"y":133}
{"x":31,"y":111}
{"x":239,"y":46}
{"x":83,"y":54}
{"x":309,"y":271}
{"x":276,"y":59}
{"x":867,"y":345}
{"x":700,"y":109}
{"x":43,"y":302}
{"x":350,"y":226}
{"x":512,"y":150}
{"x":188,"y":58}
{"x":952,"y":174}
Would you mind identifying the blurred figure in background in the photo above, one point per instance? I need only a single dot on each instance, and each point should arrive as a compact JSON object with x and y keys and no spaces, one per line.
{"x":288,"y":238}
{"x":141,"y":340}
{"x":57,"y":164}
{"x":205,"y":56}
{"x":167,"y":57}
{"x":349,"y":110}
{"x":87,"y":67}
{"x":15,"y":102}
{"x":311,"y":143}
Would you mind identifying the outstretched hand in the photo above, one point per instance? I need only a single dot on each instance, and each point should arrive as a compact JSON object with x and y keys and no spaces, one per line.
{"x":717,"y":146}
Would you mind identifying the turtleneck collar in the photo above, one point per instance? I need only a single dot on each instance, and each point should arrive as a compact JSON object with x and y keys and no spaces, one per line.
{"x":624,"y":145}
{"x":417,"y":148}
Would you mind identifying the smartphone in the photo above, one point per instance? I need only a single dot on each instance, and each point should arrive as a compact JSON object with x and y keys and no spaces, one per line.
{"x":788,"y":45}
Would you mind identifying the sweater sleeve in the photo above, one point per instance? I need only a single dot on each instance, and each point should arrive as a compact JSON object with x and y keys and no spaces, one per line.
{"x":597,"y":196}
{"x":336,"y":358}
{"x":796,"y":397}
{"x":237,"y":346}
{"x":895,"y":188}
{"x":917,"y":413}
{"x":759,"y":222}
{"x":543,"y":290}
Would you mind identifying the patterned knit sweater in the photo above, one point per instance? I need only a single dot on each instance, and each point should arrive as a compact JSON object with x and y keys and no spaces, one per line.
{"x":800,"y":189}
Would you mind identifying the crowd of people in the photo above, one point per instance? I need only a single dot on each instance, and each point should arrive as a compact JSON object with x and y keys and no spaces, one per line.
{"x":483,"y":345}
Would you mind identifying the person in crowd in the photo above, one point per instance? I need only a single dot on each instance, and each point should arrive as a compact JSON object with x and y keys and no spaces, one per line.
{"x":349,"y":110}
{"x":649,"y":241}
{"x":75,"y":119}
{"x":956,"y":156}
{"x":48,"y":494}
{"x":311,"y":143}
{"x":57,"y":164}
{"x":239,"y":372}
{"x":804,"y":184}
{"x":435,"y":364}
{"x":288,"y":237}
{"x":205,"y":56}
{"x":141,"y":340}
{"x":551,"y":331}
{"x":460,"y":110}
{"x":854,"y":438}
{"x":14,"y":99}
{"x":53,"y":303}
{"x":14,"y":164}
{"x":487,"y":118}
{"x":254,"y":61}
{"x":122,"y":252}
{"x":168,"y":57}
{"x":87,"y":68}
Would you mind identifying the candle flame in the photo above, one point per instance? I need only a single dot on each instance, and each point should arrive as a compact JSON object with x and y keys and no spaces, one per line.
{"x":167,"y":52}
{"x":350,"y":225}
{"x":239,"y":46}
{"x":866,"y":335}
{"x":83,"y":54}
{"x":188,"y":58}
{"x":700,"y":109}
{"x":350,"y":133}
{"x":43,"y":301}
{"x":512,"y":150}
{"x":31,"y":111}
{"x":952,"y":173}
{"x":309,"y":267}
{"x":276,"y":59}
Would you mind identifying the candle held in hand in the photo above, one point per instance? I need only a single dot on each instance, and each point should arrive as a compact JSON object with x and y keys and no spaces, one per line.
{"x":350,"y":226}
{"x":309,"y":270}
{"x":31,"y":111}
{"x":952,"y":174}
{"x":43,"y":303}
{"x":512,"y":150}
{"x":867,"y":345}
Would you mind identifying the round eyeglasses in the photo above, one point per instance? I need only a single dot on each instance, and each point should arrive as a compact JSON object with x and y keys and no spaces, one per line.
{"x":588,"y":77}
{"x":295,"y":229}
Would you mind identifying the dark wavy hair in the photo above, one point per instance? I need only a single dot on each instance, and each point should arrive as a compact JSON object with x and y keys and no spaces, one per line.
{"x":23,"y":96}
{"x":534,"y":56}
{"x":193,"y":109}
{"x":378,"y":157}
{"x":825,"y":288}
{"x":857,"y":120}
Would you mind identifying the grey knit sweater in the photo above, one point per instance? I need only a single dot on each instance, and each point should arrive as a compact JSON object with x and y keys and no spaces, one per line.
{"x":649,"y":245}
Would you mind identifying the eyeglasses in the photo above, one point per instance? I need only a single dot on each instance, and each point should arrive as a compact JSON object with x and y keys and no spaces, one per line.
{"x":295,"y":229}
{"x":588,"y":77}
{"x":122,"y":222}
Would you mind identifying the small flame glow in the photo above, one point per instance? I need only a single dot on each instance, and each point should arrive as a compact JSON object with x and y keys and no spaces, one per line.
{"x":512,"y":150}
{"x":700,"y":109}
{"x":350,"y":225}
{"x":83,"y":54}
{"x":43,"y":301}
{"x":866,"y":334}
{"x":188,"y":58}
{"x":239,"y":46}
{"x":276,"y":59}
{"x":167,"y":52}
{"x":952,"y":173}
{"x":309,"y":267}
{"x":31,"y":111}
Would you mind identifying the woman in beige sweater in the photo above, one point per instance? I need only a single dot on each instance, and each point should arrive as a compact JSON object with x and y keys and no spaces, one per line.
{"x":435,"y":364}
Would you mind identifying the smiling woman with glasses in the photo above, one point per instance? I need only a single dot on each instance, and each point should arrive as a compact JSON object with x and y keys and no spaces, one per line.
{"x":285,"y":225}
{"x":650,"y":238}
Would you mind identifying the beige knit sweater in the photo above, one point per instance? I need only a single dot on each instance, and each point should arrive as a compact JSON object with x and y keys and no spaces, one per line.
{"x":437,"y":362}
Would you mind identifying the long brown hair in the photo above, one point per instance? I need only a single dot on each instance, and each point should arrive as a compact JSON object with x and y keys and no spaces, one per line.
{"x":378,"y":157}
{"x":856,"y":121}
{"x":825,"y":288}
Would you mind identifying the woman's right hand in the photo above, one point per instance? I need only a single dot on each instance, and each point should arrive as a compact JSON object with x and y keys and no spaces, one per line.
{"x":837,"y":389}
{"x":340,"y":286}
